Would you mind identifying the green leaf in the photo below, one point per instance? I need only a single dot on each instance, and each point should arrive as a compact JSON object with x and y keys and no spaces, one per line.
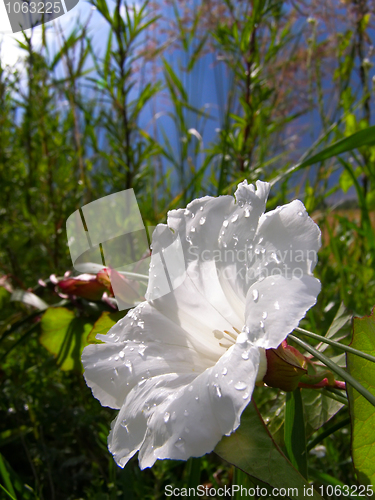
{"x":64,"y":336}
{"x":364,"y":137}
{"x":318,"y":409}
{"x":6,"y":478}
{"x":252,"y":449}
{"x":103,"y":324}
{"x":175,"y":80}
{"x":361,"y":411}
{"x":345,"y":181}
{"x":341,"y":320}
{"x":4,"y":297}
{"x":294,"y":431}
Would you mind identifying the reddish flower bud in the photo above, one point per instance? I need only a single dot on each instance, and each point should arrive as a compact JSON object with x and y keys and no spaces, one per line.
{"x":86,"y":286}
{"x":285,"y":367}
{"x":103,"y":277}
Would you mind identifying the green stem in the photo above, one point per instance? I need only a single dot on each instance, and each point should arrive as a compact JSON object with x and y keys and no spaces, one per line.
{"x":334,"y":394}
{"x":339,"y":371}
{"x":333,"y":343}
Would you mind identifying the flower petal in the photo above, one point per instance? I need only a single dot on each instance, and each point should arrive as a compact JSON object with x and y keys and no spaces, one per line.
{"x":287,"y":242}
{"x":204,"y":232}
{"x":275,"y":306}
{"x":198,"y":304}
{"x":144,"y":344}
{"x":237,"y":238}
{"x":192,"y":420}
{"x":128,"y":430}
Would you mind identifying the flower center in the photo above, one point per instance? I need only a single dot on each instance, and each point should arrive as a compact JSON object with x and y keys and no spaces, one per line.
{"x":226,"y":338}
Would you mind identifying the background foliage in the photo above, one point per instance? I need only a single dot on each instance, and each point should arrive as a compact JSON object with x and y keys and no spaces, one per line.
{"x":180,"y":99}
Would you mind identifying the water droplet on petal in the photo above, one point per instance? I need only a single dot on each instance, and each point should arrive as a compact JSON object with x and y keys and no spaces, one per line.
{"x":245,"y":355}
{"x":192,"y":230}
{"x":245,"y":396}
{"x":115,"y":371}
{"x":190,"y":388}
{"x":247,"y":212}
{"x":217,"y":390}
{"x":264,"y":315}
{"x":196,"y":398}
{"x":186,"y":212}
{"x":202,"y":220}
{"x":141,"y":350}
{"x":255,"y":295}
{"x":277,"y":305}
{"x":261,"y":324}
{"x":201,"y":208}
{"x":192,"y":215}
{"x":275,"y":257}
{"x":300,"y":214}
{"x":225,"y":371}
{"x":166,"y":416}
{"x":180,"y":444}
{"x":141,"y":324}
{"x":240,"y":386}
{"x":235,"y":218}
{"x":121,"y":354}
{"x":186,"y":413}
{"x":188,"y":239}
{"x":124,"y":425}
{"x":226,"y":223}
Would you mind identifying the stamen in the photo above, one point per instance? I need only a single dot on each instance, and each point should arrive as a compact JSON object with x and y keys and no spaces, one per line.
{"x":234,"y":337}
{"x":218,"y":334}
{"x":226,"y":346}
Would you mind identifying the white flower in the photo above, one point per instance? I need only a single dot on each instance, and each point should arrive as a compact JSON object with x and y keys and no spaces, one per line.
{"x":181,"y":368}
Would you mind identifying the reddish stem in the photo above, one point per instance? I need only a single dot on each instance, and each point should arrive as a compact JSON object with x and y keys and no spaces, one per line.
{"x":324,"y":383}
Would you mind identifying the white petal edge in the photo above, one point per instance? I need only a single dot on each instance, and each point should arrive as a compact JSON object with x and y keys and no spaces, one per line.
{"x":275,"y":306}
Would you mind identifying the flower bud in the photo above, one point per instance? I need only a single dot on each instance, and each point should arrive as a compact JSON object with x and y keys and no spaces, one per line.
{"x":285,"y":367}
{"x":85,"y":286}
